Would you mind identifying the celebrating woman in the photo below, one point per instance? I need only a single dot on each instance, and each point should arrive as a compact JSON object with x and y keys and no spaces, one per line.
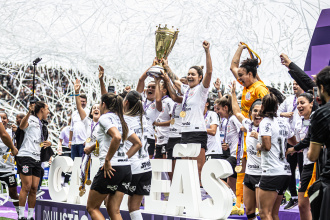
{"x":305,"y":106}
{"x":28,"y":157}
{"x":140,"y":163}
{"x":193,"y":103}
{"x":152,"y":106}
{"x":253,"y":165}
{"x":273,"y":136}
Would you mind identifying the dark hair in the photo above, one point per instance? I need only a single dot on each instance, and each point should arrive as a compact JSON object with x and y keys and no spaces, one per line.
{"x":250,"y":65}
{"x":308,"y":96}
{"x":114,"y":103}
{"x":4,"y":113}
{"x":38,"y":106}
{"x":135,"y":105}
{"x":83,"y":96}
{"x":225,"y":101}
{"x":208,"y":100}
{"x":269,"y":106}
{"x":256,"y":102}
{"x":21,"y":115}
{"x":165,"y":87}
{"x":323,"y":78}
{"x":90,"y":112}
{"x":199,"y":71}
{"x":280,"y":97}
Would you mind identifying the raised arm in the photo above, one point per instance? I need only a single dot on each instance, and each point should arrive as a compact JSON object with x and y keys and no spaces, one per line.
{"x":159,"y":105}
{"x":234,"y":102}
{"x":208,"y":75}
{"x":81,"y":111}
{"x":217,"y":84}
{"x":235,"y":61}
{"x":171,"y":89}
{"x":175,"y":79}
{"x":140,"y":85}
{"x":101,"y":76}
{"x":24,"y":123}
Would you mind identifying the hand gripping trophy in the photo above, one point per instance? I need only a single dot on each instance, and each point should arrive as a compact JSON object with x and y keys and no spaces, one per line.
{"x":165,"y":40}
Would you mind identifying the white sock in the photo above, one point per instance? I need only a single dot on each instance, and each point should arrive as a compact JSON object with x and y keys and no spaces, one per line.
{"x":17,"y":209}
{"x":136,"y":215}
{"x":21,"y":210}
{"x":294,"y":197}
{"x":255,"y":218}
{"x":30,"y":212}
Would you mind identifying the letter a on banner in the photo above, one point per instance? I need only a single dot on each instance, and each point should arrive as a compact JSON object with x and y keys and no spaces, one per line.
{"x":185,"y":190}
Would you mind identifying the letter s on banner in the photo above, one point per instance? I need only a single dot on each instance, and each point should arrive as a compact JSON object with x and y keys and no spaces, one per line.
{"x":220,"y":206}
{"x":56,"y":191}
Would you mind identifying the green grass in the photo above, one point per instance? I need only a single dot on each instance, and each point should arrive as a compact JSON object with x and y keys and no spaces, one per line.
{"x":3,"y":218}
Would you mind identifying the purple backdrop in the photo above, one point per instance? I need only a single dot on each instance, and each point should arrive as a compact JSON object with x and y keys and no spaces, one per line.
{"x":318,"y":55}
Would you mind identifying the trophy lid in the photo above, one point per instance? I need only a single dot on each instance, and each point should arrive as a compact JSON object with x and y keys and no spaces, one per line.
{"x":165,"y":29}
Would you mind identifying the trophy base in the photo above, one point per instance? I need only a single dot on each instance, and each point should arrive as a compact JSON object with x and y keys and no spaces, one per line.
{"x":155,"y":71}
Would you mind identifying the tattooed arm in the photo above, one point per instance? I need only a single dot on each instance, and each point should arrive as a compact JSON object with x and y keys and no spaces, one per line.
{"x":170,"y":89}
{"x":175,"y":79}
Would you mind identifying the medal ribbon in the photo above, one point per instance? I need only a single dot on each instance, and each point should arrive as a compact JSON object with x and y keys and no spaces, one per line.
{"x":206,"y":115}
{"x":251,"y":52}
{"x":240,"y":149}
{"x":184,"y":103}
{"x":85,"y":164}
{"x":294,"y":103}
{"x":42,"y":134}
{"x":173,"y":112}
{"x":145,"y":106}
{"x":225,"y":138}
{"x":93,"y":127}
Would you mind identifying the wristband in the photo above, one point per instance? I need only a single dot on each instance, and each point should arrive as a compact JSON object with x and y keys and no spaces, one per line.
{"x":75,"y":95}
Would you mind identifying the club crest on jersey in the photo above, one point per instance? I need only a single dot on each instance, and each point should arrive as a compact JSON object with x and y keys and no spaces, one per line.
{"x":25,"y":169}
{"x":248,"y":96}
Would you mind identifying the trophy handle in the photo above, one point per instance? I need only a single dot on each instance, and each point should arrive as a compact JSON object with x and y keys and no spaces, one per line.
{"x":175,"y":37}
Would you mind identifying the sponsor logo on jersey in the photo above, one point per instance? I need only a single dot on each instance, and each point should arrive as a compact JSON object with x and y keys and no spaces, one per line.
{"x":254,"y":166}
{"x":25,"y":169}
{"x":186,"y":123}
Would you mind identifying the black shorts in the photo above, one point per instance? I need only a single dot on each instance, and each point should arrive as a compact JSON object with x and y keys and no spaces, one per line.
{"x":306,"y":177}
{"x":160,"y":151}
{"x":140,"y":184}
{"x":275,"y":183}
{"x":170,"y":146}
{"x":10,"y":179}
{"x":251,"y":181}
{"x":213,"y":156}
{"x":232,"y":161}
{"x":119,"y":182}
{"x":197,"y":137}
{"x":151,"y":146}
{"x":28,"y":166}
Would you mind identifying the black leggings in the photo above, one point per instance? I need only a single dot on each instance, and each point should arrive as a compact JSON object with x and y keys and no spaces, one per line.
{"x":293,"y":160}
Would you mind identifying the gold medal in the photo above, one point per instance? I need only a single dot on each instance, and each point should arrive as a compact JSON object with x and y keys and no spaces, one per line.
{"x":4,"y":156}
{"x":258,"y":153}
{"x":172,"y":121}
{"x":88,"y":182}
{"x":182,"y":114}
{"x":82,"y":192}
{"x":80,"y":188}
{"x":41,"y":144}
{"x":238,"y":169}
{"x":88,"y":140}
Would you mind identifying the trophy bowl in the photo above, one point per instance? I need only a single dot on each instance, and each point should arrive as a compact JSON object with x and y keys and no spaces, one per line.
{"x":165,"y":40}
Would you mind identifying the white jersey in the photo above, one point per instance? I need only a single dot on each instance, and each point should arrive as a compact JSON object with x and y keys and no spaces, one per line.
{"x":194,"y":100}
{"x":163,"y":131}
{"x":213,"y":142}
{"x":151,"y":113}
{"x":233,"y":127}
{"x":32,"y":139}
{"x":253,"y":164}
{"x":6,"y":166}
{"x":273,"y":162}
{"x":300,"y":133}
{"x":91,"y":131}
{"x":289,"y":105}
{"x":222,"y":128}
{"x":107,"y":121}
{"x":140,"y":162}
{"x":175,"y":129}
{"x":78,"y":128}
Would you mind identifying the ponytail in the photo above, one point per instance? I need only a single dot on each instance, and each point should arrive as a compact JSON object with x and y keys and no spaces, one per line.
{"x":37,"y":107}
{"x":225,"y":101}
{"x":135,"y":105}
{"x":114,"y":104}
